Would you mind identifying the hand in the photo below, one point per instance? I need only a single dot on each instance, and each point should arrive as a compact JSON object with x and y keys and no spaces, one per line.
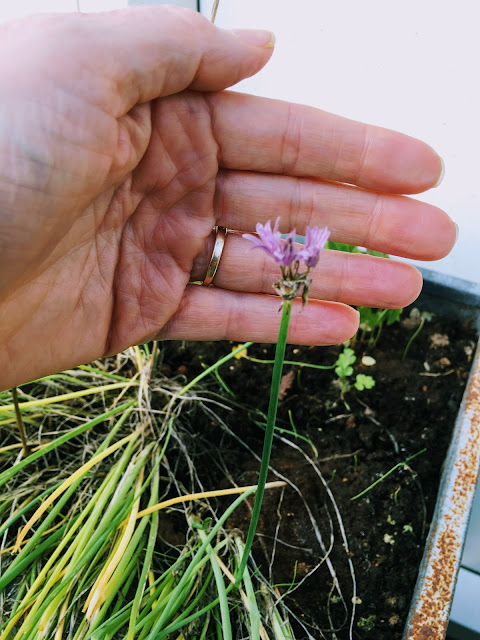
{"x":119,"y":151}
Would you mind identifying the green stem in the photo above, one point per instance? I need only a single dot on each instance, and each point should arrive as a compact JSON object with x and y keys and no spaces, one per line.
{"x":293,"y":362}
{"x":269,"y":430}
{"x":409,"y":343}
{"x":385,"y":475}
{"x":21,"y":428}
{"x":222,"y":593}
{"x":214,"y":367}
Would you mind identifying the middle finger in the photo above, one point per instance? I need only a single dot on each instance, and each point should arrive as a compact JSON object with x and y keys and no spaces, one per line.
{"x":393,"y":224}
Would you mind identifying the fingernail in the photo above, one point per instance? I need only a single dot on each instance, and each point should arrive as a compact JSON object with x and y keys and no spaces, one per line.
{"x":456,"y":232}
{"x":442,"y":173}
{"x":257,"y":37}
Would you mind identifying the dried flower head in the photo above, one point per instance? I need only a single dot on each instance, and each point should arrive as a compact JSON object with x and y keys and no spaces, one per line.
{"x":285,"y":254}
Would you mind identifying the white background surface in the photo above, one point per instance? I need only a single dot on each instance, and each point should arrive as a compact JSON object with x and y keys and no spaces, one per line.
{"x":402,"y":64}
{"x":408,"y":65}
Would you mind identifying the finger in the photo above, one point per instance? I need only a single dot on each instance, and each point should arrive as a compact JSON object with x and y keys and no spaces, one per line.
{"x":208,"y":313}
{"x":277,"y":137}
{"x":393,"y":224}
{"x":142,"y":53}
{"x":342,"y":277}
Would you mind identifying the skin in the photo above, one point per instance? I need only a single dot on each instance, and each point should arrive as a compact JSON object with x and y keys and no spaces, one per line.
{"x":120,"y":150}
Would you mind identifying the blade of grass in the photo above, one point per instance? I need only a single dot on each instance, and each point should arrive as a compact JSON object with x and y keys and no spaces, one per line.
{"x":385,"y":475}
{"x":409,"y":343}
{"x":98,"y":593}
{"x":15,"y":516}
{"x":67,"y":483}
{"x":21,"y":428}
{"x":71,"y":575}
{"x":119,"y":588}
{"x":104,"y":374}
{"x":214,"y":367}
{"x":30,"y":549}
{"x":41,"y":402}
{"x":148,"y":556}
{"x":298,"y":363}
{"x":7,"y":475}
{"x":159,"y":629}
{"x":9,"y":625}
{"x":61,"y":620}
{"x":45,"y":533}
{"x":206,"y":494}
{"x":94,"y":503}
{"x":252,"y":607}
{"x":222,"y":593}
{"x":116,"y":485}
{"x":50,"y":490}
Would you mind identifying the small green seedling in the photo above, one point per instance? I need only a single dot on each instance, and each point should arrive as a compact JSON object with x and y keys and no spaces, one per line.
{"x":372,"y":322}
{"x":367,"y":623}
{"x":344,"y":369}
{"x":363,"y":382}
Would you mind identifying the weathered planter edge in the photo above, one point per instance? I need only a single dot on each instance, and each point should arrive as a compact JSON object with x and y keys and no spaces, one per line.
{"x":432,"y":599}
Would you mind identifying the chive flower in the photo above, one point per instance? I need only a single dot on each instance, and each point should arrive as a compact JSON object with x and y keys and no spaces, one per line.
{"x":289,"y":258}
{"x":281,"y":250}
{"x":315,"y":241}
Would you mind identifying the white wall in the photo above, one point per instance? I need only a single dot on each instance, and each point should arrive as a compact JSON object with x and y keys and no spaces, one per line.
{"x":10,"y":9}
{"x":405,"y":64}
{"x":411,"y":65}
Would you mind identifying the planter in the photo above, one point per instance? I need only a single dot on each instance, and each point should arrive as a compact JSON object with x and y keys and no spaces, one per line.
{"x":330,"y":474}
{"x":429,"y":613}
{"x":346,"y":568}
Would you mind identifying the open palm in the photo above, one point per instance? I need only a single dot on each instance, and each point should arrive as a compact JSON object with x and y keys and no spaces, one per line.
{"x":119,"y":153}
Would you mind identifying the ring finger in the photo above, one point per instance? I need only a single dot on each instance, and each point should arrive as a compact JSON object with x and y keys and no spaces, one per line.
{"x":339,"y":276}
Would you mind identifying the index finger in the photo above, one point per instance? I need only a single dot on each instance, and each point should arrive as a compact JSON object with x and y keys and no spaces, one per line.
{"x":260,"y":134}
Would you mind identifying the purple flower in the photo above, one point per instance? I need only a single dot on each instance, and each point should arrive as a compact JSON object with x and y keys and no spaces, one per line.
{"x":315,"y":240}
{"x":282,"y":251}
{"x":292,"y":281}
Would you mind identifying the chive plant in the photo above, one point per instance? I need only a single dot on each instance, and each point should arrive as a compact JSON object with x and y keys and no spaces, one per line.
{"x":295,"y":265}
{"x":80,"y":517}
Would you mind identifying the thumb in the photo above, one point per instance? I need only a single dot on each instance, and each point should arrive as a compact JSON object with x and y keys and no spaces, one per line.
{"x":142,"y":53}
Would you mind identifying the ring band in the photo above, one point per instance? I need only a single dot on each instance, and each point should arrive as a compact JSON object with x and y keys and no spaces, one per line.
{"x":221,"y":234}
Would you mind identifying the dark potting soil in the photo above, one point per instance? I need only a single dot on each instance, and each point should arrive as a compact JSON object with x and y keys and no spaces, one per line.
{"x":312,"y":536}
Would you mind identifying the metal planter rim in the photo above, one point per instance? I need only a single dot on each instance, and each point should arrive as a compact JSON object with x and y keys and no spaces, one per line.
{"x":432,"y":599}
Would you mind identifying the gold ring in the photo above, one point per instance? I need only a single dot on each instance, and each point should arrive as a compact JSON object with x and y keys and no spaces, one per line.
{"x":221,"y":234}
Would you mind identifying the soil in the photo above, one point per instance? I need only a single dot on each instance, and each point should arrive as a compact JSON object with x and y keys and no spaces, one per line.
{"x":332,"y":447}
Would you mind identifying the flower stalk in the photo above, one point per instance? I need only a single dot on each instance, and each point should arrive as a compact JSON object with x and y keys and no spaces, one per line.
{"x":292,"y":283}
{"x":269,"y":431}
